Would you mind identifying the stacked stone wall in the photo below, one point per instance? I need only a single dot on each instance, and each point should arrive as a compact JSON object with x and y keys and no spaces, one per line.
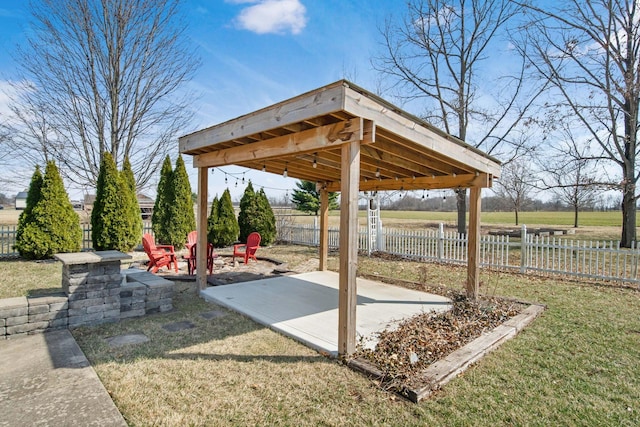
{"x":94,"y":291}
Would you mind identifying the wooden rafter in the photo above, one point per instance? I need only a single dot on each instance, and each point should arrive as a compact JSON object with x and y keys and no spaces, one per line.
{"x":306,"y":141}
{"x":423,"y":183}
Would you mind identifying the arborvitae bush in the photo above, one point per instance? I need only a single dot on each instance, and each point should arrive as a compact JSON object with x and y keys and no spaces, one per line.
{"x":266,"y":220}
{"x":225,"y":228}
{"x":212,"y":219}
{"x":51,"y":225}
{"x":35,"y":189}
{"x":181,"y":218}
{"x":160,"y":217}
{"x":110,"y":221}
{"x":248,"y":212}
{"x":134,"y":234}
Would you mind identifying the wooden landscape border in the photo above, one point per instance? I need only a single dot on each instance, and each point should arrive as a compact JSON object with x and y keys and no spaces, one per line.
{"x":444,"y":370}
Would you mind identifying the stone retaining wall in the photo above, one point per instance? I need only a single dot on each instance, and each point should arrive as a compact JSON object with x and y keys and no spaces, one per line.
{"x":95,"y":291}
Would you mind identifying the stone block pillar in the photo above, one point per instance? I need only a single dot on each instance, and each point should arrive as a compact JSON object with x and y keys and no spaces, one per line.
{"x":91,"y":281}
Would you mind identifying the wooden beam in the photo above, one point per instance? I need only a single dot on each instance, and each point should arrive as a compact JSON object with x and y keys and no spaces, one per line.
{"x":400,"y":123}
{"x":201,"y":226}
{"x":307,"y":141}
{"x":317,"y":103}
{"x":348,"y":248}
{"x":324,"y":227}
{"x":473,"y":245}
{"x":422,"y":183}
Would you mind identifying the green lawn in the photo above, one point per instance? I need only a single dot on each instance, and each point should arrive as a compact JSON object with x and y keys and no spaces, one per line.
{"x":586,"y":219}
{"x":577,"y":364}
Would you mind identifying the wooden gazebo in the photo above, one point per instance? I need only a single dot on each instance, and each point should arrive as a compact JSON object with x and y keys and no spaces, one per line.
{"x":348,"y":140}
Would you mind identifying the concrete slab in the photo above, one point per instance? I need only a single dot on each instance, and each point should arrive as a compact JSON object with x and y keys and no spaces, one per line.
{"x":46,"y":380}
{"x":305,"y":306}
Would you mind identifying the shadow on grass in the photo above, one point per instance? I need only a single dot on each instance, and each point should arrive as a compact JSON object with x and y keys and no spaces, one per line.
{"x":206,"y":337}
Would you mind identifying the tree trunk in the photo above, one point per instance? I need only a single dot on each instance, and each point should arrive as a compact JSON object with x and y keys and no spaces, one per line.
{"x":628,"y":216}
{"x":575,"y":216}
{"x":461,"y":199}
{"x":517,"y":220}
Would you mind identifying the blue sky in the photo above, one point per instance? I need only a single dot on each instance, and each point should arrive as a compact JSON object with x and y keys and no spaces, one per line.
{"x":254,"y":53}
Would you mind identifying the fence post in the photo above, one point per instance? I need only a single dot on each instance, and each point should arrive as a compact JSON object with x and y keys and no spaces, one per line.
{"x":524,"y":248}
{"x":440,"y":242}
{"x":380,"y":239}
{"x":316,"y":232}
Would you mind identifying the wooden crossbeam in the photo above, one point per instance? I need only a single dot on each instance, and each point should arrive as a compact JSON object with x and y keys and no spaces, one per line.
{"x":422,"y":183}
{"x":307,"y":141}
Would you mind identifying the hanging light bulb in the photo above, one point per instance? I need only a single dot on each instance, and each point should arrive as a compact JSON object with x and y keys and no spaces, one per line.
{"x":423,"y":194}
{"x":378,"y":173}
{"x":315,"y":160}
{"x":286,"y":171}
{"x":225,"y":179}
{"x":242,"y":179}
{"x":264,"y":167}
{"x":236,"y":183}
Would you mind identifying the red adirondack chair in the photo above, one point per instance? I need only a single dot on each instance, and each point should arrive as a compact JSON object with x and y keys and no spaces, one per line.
{"x":192,"y":238}
{"x":191,"y":258}
{"x":248,"y":250}
{"x":159,"y":255}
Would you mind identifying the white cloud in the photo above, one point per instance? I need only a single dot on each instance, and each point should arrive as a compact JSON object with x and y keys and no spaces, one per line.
{"x":272,"y":16}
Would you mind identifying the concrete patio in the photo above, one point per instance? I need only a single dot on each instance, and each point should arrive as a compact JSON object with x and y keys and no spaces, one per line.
{"x":305,"y":306}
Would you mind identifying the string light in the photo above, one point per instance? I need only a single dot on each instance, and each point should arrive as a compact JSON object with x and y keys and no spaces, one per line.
{"x":286,"y":172}
{"x":378,"y":173}
{"x":240,"y":176}
{"x":315,"y":160}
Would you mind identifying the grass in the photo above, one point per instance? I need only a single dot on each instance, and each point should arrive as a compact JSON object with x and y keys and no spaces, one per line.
{"x":586,"y":219}
{"x":25,"y":278}
{"x":577,"y":364}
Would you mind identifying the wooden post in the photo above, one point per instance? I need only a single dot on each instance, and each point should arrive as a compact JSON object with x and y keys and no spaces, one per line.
{"x":350,"y":174}
{"x":201,"y":248}
{"x":324,"y":227}
{"x":473,"y":243}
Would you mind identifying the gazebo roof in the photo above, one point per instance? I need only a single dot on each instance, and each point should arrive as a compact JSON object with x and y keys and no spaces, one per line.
{"x":303,"y":135}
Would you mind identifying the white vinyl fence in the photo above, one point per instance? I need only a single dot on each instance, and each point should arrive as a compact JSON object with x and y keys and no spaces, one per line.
{"x":600,"y":260}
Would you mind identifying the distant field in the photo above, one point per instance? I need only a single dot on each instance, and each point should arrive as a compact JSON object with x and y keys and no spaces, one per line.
{"x":565,"y":219}
{"x":592,"y":225}
{"x":587,"y":219}
{"x":9,"y":216}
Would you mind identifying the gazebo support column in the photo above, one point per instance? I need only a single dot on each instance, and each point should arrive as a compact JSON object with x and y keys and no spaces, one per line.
{"x":201,"y":226}
{"x":350,"y":173}
{"x":473,"y":246}
{"x":324,"y":228}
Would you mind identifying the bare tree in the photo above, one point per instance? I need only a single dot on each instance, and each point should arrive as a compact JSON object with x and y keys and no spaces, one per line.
{"x":517,"y":184}
{"x":569,"y":169}
{"x":435,"y":56}
{"x":589,"y":51}
{"x":102,"y":76}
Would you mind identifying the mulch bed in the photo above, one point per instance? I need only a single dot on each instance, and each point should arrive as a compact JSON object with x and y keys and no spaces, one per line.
{"x":402,"y":353}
